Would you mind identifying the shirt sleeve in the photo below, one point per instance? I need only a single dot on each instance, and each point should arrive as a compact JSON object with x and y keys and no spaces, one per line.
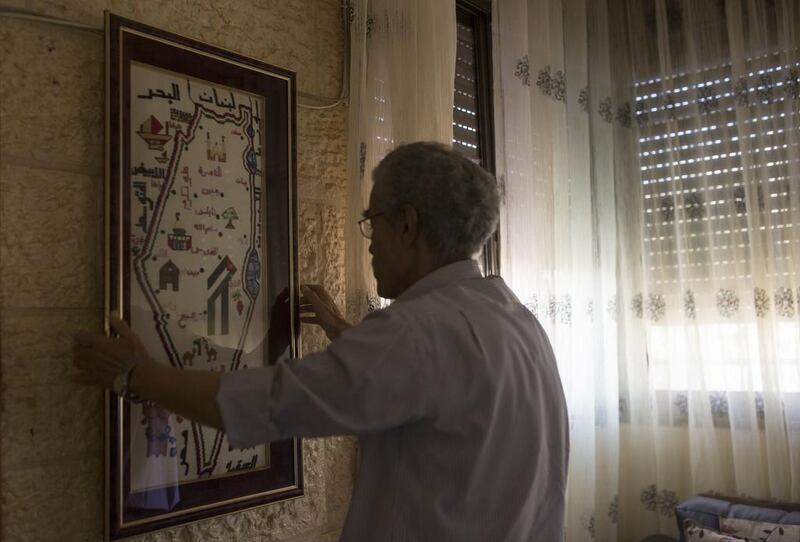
{"x":373,"y":377}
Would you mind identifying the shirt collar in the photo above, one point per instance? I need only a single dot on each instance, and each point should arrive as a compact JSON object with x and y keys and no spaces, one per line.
{"x":460,"y":270}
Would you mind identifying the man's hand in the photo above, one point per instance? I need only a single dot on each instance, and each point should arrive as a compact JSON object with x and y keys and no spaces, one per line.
{"x":317,"y":307}
{"x":102,"y":359}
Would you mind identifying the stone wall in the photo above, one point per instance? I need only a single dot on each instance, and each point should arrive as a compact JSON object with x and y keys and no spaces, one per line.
{"x":51,"y":252}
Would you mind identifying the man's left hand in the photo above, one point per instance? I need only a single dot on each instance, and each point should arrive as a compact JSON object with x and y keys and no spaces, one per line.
{"x":101,"y":359}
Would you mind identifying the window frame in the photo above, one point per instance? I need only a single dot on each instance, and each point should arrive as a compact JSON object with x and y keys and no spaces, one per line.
{"x":477,"y":14}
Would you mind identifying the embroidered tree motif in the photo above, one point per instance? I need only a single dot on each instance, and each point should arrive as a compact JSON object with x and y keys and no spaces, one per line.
{"x":589,"y":524}
{"x":719,"y":404}
{"x":370,"y":25}
{"x":565,"y":310}
{"x":230,"y":215}
{"x":707,"y":100}
{"x":558,"y":87}
{"x":613,"y":509}
{"x":533,"y":306}
{"x":590,"y":309}
{"x":642,"y":114}
{"x":523,"y":71}
{"x":761,"y":301}
{"x":667,"y":209}
{"x":689,"y":306}
{"x":681,"y":403}
{"x":649,"y":497}
{"x":544,"y":81}
{"x":791,"y":84}
{"x":727,"y":302}
{"x":759,"y":401}
{"x":656,"y":307}
{"x":740,"y":199}
{"x":605,"y":109}
{"x":552,"y":308}
{"x":611,"y":307}
{"x":694,"y":205}
{"x":764,"y":88}
{"x":624,"y":115}
{"x":742,"y":93}
{"x":669,"y":106}
{"x":638,"y":305}
{"x":667,"y":502}
{"x":362,"y":158}
{"x":784,"y":302}
{"x":583,"y":99}
{"x":237,"y":296}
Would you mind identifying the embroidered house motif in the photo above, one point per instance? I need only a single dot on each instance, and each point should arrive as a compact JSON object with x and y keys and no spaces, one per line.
{"x":169,"y":275}
{"x":215,"y":150}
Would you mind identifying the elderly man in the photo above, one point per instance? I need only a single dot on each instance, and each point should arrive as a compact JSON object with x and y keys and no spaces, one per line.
{"x":453,"y":389}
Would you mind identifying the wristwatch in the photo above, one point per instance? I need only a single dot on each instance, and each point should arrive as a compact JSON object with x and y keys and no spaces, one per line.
{"x":121,"y":381}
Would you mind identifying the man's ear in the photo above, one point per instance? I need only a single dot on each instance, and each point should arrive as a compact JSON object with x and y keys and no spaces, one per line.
{"x":409,"y":221}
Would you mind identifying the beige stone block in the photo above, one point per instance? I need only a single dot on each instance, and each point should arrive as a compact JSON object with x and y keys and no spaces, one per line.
{"x":340,"y":469}
{"x":332,"y":263}
{"x":278,"y":32}
{"x":332,"y":536}
{"x":37,"y":344}
{"x":321,"y":256}
{"x":308,"y":226}
{"x":52,"y":238}
{"x":42,"y":424}
{"x":59,"y":502}
{"x":329,"y":34}
{"x":51,"y":96}
{"x":322,"y":155}
{"x":88,"y":12}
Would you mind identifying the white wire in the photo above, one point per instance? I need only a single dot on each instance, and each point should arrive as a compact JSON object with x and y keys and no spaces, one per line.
{"x":5,"y":12}
{"x":343,"y":95}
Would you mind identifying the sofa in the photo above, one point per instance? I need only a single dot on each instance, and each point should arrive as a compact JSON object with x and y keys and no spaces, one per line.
{"x":706,"y":511}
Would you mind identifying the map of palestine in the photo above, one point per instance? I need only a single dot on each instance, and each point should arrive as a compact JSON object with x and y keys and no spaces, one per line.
{"x":197,"y":292}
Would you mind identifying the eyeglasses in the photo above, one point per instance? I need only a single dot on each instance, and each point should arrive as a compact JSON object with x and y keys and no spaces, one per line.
{"x":365,"y":225}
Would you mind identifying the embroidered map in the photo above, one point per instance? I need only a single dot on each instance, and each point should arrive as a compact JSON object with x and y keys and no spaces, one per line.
{"x":197,"y":286}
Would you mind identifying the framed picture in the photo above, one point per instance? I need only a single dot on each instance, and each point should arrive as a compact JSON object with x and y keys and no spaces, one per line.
{"x":201,"y":262}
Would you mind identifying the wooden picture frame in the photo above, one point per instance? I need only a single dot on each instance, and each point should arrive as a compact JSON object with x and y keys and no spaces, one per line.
{"x":201,"y":233}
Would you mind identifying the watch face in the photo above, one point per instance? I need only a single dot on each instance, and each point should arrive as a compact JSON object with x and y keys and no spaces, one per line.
{"x":120,"y":385}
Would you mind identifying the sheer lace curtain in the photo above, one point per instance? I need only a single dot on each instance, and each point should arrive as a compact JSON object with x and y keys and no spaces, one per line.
{"x":649,"y":152}
{"x":402,"y":59}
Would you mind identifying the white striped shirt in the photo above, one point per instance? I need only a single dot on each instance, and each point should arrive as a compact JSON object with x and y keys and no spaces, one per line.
{"x":454,"y":393}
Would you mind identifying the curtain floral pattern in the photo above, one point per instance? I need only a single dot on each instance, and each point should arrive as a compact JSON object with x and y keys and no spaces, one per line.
{"x":651,"y":157}
{"x":402,"y":68}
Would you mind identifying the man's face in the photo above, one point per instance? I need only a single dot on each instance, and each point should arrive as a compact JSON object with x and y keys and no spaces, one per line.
{"x":390,"y":259}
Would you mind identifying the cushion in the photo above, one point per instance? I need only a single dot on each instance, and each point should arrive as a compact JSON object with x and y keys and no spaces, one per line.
{"x":759,"y":531}
{"x":698,"y":533}
{"x":784,"y":533}
{"x":756,"y":513}
{"x":792,"y":518}
{"x":704,"y":511}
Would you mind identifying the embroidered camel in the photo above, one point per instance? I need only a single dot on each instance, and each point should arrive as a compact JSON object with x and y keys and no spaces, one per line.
{"x":198,"y":345}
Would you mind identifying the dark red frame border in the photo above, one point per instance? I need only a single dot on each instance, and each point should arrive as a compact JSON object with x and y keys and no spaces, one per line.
{"x":190,"y":57}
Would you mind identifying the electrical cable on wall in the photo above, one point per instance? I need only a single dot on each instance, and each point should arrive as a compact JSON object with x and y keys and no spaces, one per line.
{"x":343,"y":95}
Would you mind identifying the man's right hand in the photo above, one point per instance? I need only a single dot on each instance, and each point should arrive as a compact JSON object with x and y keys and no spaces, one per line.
{"x":318,"y":307}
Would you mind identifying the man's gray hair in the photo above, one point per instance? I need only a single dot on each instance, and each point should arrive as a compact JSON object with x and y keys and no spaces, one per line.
{"x":457,"y":201}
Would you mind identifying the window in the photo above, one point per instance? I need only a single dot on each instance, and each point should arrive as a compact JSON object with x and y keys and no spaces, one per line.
{"x":715,"y":155}
{"x":473,"y":131}
{"x":692,"y":170}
